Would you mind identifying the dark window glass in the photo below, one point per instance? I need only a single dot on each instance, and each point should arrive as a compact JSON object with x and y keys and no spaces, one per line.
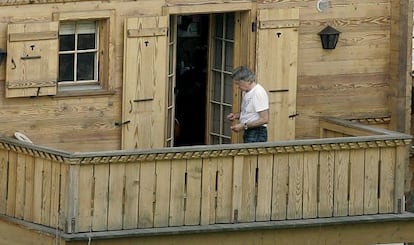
{"x":66,"y":63}
{"x":86,"y":41}
{"x":230,"y":26}
{"x":86,"y":67}
{"x":66,"y":42}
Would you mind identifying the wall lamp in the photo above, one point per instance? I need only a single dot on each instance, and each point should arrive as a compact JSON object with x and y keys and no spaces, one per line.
{"x":3,"y":55}
{"x":329,"y":37}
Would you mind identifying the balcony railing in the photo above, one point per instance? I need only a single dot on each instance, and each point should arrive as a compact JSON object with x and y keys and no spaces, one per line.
{"x":201,"y":185}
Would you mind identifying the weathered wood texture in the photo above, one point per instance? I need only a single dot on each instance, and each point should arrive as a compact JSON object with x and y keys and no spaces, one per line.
{"x":355,"y":80}
{"x":78,"y":123}
{"x":290,"y":180}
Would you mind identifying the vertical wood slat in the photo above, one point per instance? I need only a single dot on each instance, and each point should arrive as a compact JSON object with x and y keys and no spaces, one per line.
{"x":64,"y":196}
{"x":162,"y":193}
{"x":132,"y":184}
{"x":100,"y":201}
{"x":4,"y":159}
{"x":248,"y":205}
{"x":115,"y":195}
{"x":29,"y":188}
{"x":310,"y":185}
{"x":371,"y":181}
{"x":146,"y":195}
{"x":208,"y":191}
{"x":178,"y":172}
{"x":11,"y":187}
{"x":55,"y":194}
{"x":264,"y":188}
{"x":280,"y":186}
{"x":38,"y":189}
{"x":387,"y":180}
{"x":20,"y":185}
{"x":295,"y":201}
{"x":341,"y":183}
{"x":85,"y":197}
{"x":224,"y":212}
{"x":193,"y":186}
{"x":326,"y":182}
{"x":46,"y":191}
{"x":237,"y":187}
{"x":401,"y":160}
{"x":356,"y":183}
{"x":73,"y":195}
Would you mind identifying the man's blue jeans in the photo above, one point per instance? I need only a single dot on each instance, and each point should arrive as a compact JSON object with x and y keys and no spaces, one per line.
{"x":258,"y":134}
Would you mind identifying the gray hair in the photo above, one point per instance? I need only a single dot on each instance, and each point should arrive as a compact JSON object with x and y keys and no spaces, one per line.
{"x":243,"y":73}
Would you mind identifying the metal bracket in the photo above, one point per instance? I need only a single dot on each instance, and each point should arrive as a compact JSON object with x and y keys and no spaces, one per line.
{"x":30,"y":57}
{"x":122,"y":123}
{"x":278,"y":90}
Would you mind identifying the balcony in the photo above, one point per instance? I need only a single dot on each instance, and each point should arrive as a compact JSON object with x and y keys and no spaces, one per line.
{"x":358,"y":170}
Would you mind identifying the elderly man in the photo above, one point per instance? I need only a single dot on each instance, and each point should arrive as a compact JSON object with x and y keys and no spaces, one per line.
{"x":254,"y":114}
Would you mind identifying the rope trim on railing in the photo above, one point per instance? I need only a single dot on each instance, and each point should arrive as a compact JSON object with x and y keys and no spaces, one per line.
{"x":372,"y":121}
{"x":31,"y":2}
{"x":190,"y":153}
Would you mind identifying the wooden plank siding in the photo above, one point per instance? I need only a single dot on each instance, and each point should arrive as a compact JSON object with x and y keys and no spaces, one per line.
{"x":187,"y":186}
{"x":352,"y":81}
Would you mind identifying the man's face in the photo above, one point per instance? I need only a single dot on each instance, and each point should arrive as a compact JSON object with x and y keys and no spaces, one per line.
{"x":243,"y":85}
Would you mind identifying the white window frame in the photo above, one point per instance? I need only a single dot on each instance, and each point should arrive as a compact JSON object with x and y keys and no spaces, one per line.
{"x":105,"y":26}
{"x":78,"y":30}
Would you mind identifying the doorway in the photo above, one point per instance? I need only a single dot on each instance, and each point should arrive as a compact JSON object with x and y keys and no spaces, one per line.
{"x":191,"y":79}
{"x":200,"y":66}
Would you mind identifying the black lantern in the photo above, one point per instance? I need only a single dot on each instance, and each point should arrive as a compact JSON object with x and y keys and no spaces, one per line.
{"x":3,"y":54}
{"x":329,"y":37}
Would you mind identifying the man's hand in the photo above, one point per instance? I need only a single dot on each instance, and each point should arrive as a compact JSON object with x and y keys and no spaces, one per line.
{"x":237,"y":128}
{"x":232,"y":116}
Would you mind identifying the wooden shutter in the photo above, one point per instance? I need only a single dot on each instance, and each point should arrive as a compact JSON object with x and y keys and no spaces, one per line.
{"x":277,"y":52}
{"x":32,"y":59}
{"x":145,"y":67}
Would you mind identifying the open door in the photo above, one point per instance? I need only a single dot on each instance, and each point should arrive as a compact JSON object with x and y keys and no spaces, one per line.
{"x":145,"y":72}
{"x":221,"y":86}
{"x":276,"y":68}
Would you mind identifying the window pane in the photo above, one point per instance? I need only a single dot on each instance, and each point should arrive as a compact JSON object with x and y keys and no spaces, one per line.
{"x":170,"y":91}
{"x":86,"y":66}
{"x":215,"y":140}
{"x":228,"y":89}
{"x":86,"y":41}
{"x":228,"y":66}
{"x":217,"y":54}
{"x":67,"y":42}
{"x":219,"y":25}
{"x":86,"y":27}
{"x":67,"y":28}
{"x":216,"y":119}
{"x":230,"y":26}
{"x":226,"y":141}
{"x":227,"y":123}
{"x":66,"y":62}
{"x":217,"y":87}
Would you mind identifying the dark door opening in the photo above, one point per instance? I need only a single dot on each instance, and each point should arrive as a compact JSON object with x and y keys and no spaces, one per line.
{"x":191,"y":80}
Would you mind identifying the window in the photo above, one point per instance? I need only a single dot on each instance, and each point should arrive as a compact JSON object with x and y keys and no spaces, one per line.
{"x":85,"y":46}
{"x":78,"y":53}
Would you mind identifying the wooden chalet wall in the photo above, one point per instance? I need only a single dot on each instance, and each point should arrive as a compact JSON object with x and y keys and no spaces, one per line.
{"x":362,"y":79}
{"x":351,"y":81}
